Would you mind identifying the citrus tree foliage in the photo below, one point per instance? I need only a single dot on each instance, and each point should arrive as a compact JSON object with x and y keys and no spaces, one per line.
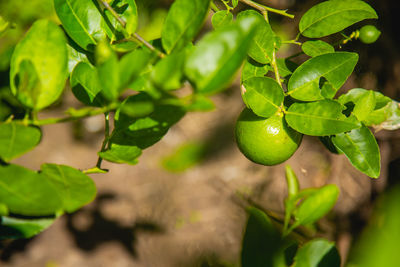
{"x":111,"y":69}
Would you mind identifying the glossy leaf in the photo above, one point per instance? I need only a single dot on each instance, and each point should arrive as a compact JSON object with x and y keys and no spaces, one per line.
{"x":286,"y":67}
{"x":24,"y":192}
{"x":85,"y":84}
{"x":316,"y":205}
{"x":365,"y":106}
{"x":361,"y":148}
{"x":316,"y":253}
{"x":121,"y":154}
{"x":320,"y":118}
{"x":17,"y":139}
{"x":263,"y":44}
{"x":263,"y":95}
{"x":221,"y":18}
{"x":39,"y":65}
{"x":75,"y":188}
{"x":184,"y":20}
{"x":333,"y":16}
{"x":261,"y":241}
{"x":252,"y":69}
{"x":316,"y":47}
{"x":76,"y":55}
{"x":11,"y":227}
{"x":217,"y":57}
{"x":82,"y":21}
{"x":304,"y":84}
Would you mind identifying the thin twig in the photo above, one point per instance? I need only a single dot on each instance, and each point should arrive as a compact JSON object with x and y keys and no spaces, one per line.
{"x":264,"y":9}
{"x":106,"y":138}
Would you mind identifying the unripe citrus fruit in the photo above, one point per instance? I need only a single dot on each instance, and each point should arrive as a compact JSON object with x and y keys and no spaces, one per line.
{"x":369,"y":34}
{"x":267,"y":141}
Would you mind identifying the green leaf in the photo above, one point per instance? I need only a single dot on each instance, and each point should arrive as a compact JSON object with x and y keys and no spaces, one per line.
{"x":221,"y":18}
{"x":263,"y":95}
{"x":235,"y":3}
{"x":107,"y":68}
{"x":39,"y":65}
{"x":4,"y":25}
{"x":85,"y":84}
{"x":127,"y":10}
{"x":320,"y":118}
{"x":333,"y":16}
{"x":361,"y":148}
{"x":381,"y":236}
{"x":23,"y":228}
{"x":360,"y":102}
{"x":316,"y":205}
{"x":168,"y":72}
{"x":128,"y":71}
{"x":316,"y":253}
{"x":304,"y":84}
{"x":263,"y":45}
{"x":392,"y":114}
{"x":121,"y":154}
{"x":25,"y":192}
{"x":286,"y":67}
{"x":76,"y":55}
{"x":146,"y":131}
{"x":185,"y":156}
{"x":75,"y":188}
{"x":292,"y":182}
{"x":316,"y":47}
{"x":261,"y":241}
{"x":17,"y":139}
{"x":216,"y":58}
{"x":81,"y":20}
{"x":252,"y":69}
{"x":184,"y":20}
{"x":200,"y":102}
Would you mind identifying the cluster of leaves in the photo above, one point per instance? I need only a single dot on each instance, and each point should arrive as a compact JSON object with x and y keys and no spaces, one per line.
{"x":305,"y":93}
{"x":111,"y":69}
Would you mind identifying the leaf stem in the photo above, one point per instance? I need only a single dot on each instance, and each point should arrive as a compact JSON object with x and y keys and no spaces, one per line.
{"x":106,"y":137}
{"x":263,"y":9}
{"x":292,"y":42}
{"x":89,"y":113}
{"x":214,"y":7}
{"x":136,"y":36}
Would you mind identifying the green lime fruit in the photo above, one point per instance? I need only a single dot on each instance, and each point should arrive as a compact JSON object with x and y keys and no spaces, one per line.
{"x":266,"y":141}
{"x":369,"y":34}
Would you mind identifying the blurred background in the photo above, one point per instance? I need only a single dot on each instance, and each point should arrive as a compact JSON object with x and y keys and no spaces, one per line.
{"x":179,"y":206}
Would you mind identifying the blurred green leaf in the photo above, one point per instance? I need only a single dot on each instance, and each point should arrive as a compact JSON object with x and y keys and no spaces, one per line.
{"x":378,"y":244}
{"x":315,"y":48}
{"x":121,"y":154}
{"x":23,"y":228}
{"x":316,"y":205}
{"x":217,"y":57}
{"x":333,"y":16}
{"x":292,"y":182}
{"x":185,"y":156}
{"x":107,"y":68}
{"x":127,"y":11}
{"x":17,"y":139}
{"x":184,"y":20}
{"x":261,"y":242}
{"x":304,"y":84}
{"x":39,"y":65}
{"x":320,"y":118}
{"x":263,"y":95}
{"x":200,"y":102}
{"x":317,"y":253}
{"x":361,"y":148}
